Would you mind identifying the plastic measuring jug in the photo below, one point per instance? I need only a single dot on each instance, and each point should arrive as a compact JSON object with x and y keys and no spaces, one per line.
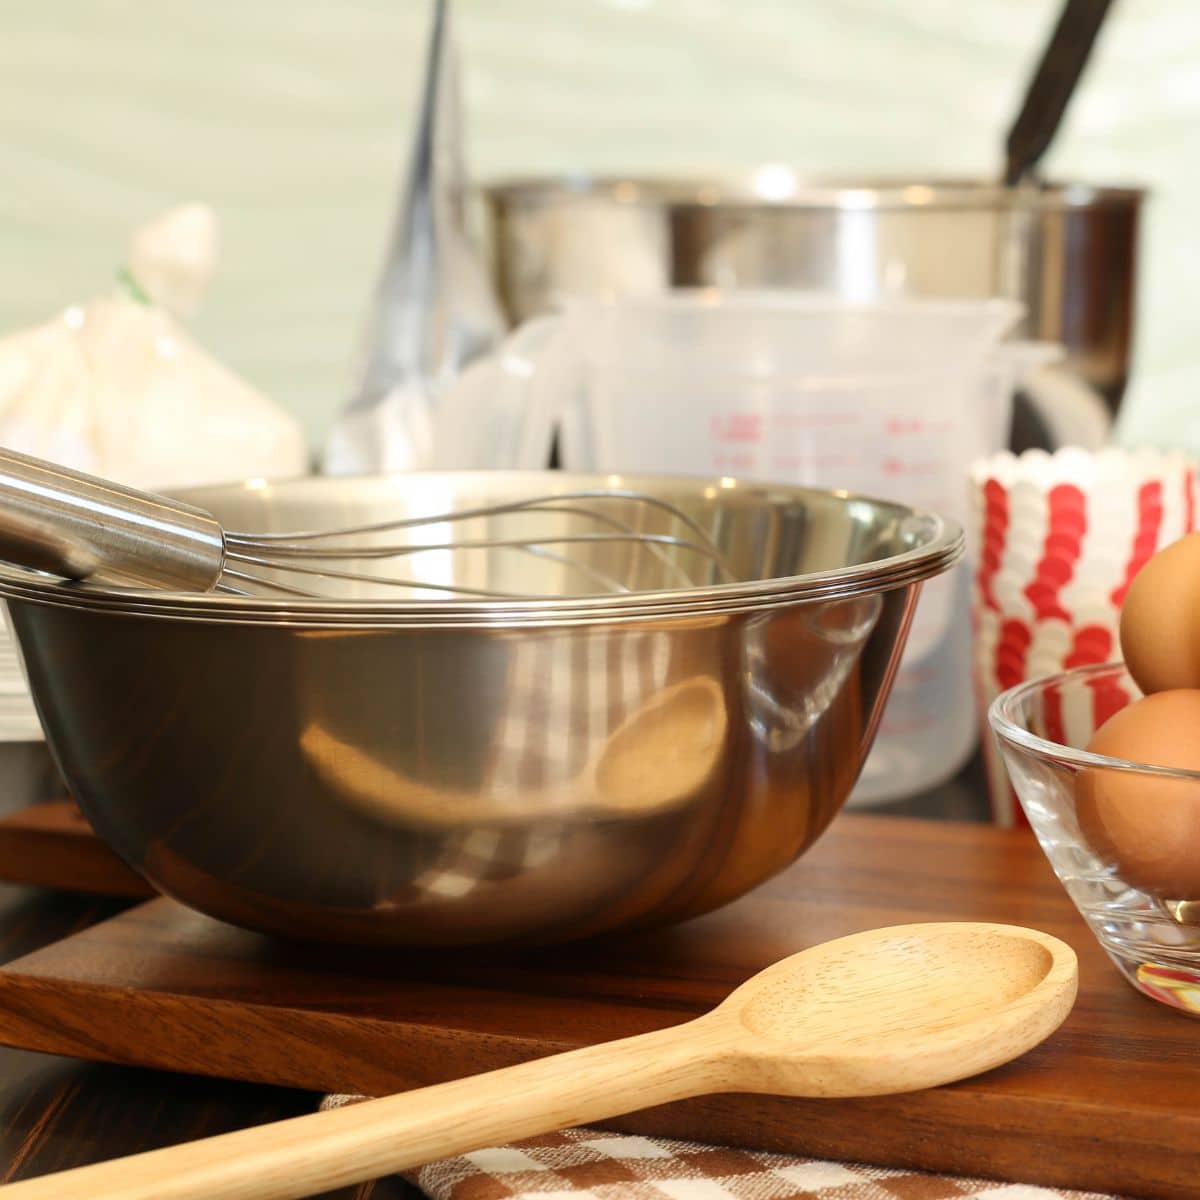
{"x":892,"y":399}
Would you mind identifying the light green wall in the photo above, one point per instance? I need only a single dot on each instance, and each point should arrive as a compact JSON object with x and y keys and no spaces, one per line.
{"x":290,"y":117}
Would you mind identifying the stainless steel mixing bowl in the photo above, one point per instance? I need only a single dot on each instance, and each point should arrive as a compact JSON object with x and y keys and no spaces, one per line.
{"x":462,"y":772}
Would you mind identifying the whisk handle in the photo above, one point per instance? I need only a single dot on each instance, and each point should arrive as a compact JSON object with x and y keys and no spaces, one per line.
{"x":80,"y":527}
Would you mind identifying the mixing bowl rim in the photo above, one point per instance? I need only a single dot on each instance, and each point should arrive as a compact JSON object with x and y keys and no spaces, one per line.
{"x":1009,"y":730}
{"x":791,"y":190}
{"x":942,"y":549}
{"x":57,"y":596}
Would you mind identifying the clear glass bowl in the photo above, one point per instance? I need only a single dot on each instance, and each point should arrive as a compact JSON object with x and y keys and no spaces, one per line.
{"x":1042,"y":728}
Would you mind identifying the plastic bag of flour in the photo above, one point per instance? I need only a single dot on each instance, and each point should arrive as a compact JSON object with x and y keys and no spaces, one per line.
{"x":118,"y":388}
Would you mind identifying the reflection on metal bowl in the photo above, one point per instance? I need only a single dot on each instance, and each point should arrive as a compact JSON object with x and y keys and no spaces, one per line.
{"x":467,"y":772}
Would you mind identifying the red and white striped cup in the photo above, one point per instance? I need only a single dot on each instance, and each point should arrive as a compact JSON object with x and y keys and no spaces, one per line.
{"x":1058,"y":539}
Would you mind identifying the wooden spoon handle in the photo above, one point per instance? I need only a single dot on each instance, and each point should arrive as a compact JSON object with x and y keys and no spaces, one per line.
{"x":324,"y":1150}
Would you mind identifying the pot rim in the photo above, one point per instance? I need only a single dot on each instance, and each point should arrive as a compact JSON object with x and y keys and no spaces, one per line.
{"x":777,"y":186}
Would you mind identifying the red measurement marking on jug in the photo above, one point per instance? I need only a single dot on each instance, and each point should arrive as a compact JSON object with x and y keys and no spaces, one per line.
{"x":736,"y":427}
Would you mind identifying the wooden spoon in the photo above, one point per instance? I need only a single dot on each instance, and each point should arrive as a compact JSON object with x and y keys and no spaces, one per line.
{"x":889,"y":1010}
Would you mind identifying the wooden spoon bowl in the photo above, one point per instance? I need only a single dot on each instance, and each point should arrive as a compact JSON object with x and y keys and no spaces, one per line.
{"x":896,"y":1009}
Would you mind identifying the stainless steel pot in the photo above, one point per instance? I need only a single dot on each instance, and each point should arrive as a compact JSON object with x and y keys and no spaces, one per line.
{"x":476,"y":772}
{"x":1068,"y":252}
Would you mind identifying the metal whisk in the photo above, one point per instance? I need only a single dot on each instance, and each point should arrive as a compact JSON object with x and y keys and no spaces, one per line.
{"x":79,"y":527}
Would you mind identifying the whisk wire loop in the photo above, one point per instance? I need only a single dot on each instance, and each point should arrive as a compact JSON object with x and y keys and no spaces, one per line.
{"x":308,"y":553}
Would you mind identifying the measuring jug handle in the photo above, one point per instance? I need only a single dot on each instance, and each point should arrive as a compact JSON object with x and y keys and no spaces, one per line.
{"x":501,"y":412}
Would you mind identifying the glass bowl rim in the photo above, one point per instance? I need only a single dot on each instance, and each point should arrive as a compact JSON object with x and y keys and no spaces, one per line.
{"x":1007,"y":729}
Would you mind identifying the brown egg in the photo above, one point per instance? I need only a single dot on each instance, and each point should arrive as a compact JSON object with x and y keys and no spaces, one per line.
{"x":1147,"y":827}
{"x":1160,"y":632}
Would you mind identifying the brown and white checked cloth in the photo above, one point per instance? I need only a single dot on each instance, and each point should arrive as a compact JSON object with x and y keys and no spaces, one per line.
{"x":593,"y":1164}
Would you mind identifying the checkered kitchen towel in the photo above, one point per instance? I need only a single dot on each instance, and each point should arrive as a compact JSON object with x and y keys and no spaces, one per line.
{"x":592,"y":1164}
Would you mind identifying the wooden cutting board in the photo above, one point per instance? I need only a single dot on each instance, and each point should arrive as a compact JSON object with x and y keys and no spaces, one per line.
{"x":51,"y":844}
{"x":1110,"y":1103}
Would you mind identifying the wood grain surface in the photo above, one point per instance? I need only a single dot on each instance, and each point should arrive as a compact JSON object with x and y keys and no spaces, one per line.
{"x":52,"y":845}
{"x":57,"y":1113}
{"x":1108,"y":1103}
